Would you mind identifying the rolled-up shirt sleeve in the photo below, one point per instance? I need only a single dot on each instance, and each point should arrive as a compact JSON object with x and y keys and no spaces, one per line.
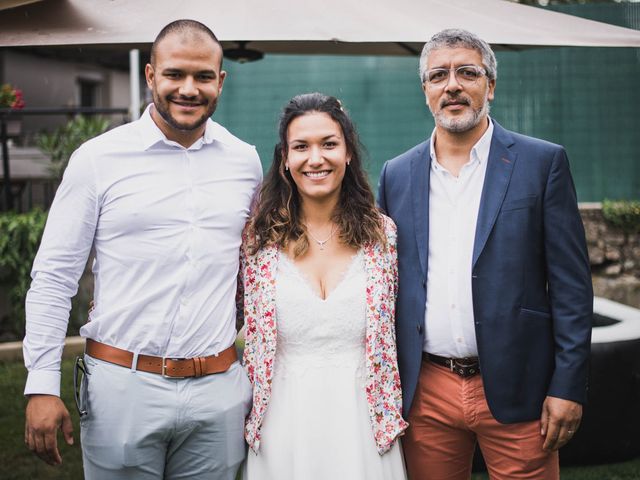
{"x":61,"y":259}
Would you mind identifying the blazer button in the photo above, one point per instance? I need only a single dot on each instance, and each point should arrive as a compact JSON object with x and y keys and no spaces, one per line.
{"x":419,"y":329}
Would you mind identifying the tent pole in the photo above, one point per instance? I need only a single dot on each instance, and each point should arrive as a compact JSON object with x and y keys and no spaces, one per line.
{"x":8,"y":197}
{"x":134,"y":83}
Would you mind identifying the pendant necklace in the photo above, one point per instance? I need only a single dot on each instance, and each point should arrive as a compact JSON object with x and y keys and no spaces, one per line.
{"x":321,"y":243}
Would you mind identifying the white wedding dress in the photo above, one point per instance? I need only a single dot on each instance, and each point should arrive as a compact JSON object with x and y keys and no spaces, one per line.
{"x":317,"y":425}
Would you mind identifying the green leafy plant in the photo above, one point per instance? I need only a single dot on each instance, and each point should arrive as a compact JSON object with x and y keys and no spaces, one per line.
{"x":60,"y":144}
{"x":20,"y":236}
{"x":622,"y":214}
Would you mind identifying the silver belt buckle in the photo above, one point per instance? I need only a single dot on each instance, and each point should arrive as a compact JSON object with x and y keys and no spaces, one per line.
{"x":164,"y":367}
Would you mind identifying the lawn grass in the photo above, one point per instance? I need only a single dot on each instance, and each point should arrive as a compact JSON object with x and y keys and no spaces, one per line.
{"x":18,"y":463}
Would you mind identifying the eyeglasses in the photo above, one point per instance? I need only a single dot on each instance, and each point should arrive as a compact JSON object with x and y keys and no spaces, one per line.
{"x":464,"y":75}
{"x":79,"y":373}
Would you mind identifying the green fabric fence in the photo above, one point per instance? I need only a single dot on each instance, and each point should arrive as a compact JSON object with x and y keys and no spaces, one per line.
{"x":584,"y":98}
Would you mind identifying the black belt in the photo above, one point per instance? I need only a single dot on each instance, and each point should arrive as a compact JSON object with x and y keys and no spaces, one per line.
{"x":465,"y":367}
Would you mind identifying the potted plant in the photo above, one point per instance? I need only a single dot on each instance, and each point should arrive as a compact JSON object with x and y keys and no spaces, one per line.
{"x":11,"y":97}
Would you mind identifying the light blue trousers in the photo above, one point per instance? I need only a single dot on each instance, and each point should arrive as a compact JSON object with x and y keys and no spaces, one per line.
{"x":143,"y":426}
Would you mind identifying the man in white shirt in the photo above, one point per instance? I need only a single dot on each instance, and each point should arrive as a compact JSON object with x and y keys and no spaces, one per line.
{"x":494,"y":307}
{"x":162,"y":201}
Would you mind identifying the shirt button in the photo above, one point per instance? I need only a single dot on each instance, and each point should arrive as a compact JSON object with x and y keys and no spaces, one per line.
{"x":459,"y":340}
{"x":453,"y":306}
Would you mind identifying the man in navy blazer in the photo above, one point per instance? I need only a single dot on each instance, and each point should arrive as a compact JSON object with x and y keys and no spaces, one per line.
{"x":495,"y":300}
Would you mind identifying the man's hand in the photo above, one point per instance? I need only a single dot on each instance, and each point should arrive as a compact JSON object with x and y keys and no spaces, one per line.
{"x":560,"y":420}
{"x":45,"y":415}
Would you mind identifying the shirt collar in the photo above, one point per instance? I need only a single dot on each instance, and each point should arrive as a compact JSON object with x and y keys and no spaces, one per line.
{"x":151,"y":134}
{"x":479,"y":152}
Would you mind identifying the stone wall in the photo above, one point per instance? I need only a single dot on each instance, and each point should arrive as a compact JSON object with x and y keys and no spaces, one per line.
{"x":614,"y":256}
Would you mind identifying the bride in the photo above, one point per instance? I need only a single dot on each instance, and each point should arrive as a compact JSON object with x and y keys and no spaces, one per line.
{"x":319,"y":272}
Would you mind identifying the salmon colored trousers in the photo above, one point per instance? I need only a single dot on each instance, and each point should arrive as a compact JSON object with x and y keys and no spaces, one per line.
{"x":449,"y":415}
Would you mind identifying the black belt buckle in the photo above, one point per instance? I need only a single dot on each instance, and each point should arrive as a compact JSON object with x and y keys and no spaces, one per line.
{"x":465,"y":367}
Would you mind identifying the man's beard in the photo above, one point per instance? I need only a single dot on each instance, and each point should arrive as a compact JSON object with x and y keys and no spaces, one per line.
{"x":464,"y":123}
{"x":162,"y":107}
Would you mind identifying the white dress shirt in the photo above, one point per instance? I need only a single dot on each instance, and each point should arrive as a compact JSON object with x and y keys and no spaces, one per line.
{"x":165,"y":223}
{"x":453,"y":212}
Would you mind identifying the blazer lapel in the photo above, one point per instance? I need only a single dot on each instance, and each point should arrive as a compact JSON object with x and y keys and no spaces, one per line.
{"x":419,"y":181}
{"x":499,"y":168}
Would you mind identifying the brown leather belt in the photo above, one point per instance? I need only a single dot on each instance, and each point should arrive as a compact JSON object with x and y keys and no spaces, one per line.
{"x":464,"y":367}
{"x":165,"y":366}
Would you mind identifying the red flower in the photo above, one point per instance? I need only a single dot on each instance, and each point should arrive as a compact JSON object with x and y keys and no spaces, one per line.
{"x":11,"y":97}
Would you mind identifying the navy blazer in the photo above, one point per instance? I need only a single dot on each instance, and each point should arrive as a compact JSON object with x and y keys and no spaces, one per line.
{"x":531,"y":280}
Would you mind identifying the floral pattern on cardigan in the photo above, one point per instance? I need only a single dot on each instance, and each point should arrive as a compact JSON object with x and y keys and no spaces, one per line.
{"x":382,"y":388}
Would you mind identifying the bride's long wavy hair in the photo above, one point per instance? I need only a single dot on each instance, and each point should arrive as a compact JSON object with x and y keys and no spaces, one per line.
{"x":277,"y":218}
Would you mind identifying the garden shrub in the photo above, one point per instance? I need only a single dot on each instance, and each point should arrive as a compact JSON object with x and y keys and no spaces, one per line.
{"x":60,"y":144}
{"x":622,"y":214}
{"x":20,"y":235}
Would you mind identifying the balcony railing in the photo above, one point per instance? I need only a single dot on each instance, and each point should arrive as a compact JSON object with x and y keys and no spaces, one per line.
{"x":25,"y":193}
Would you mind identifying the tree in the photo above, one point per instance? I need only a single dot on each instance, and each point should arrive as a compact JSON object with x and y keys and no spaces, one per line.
{"x":60,"y":144}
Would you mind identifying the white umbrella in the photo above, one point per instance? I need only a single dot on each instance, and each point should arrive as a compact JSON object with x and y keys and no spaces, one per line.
{"x":284,"y":26}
